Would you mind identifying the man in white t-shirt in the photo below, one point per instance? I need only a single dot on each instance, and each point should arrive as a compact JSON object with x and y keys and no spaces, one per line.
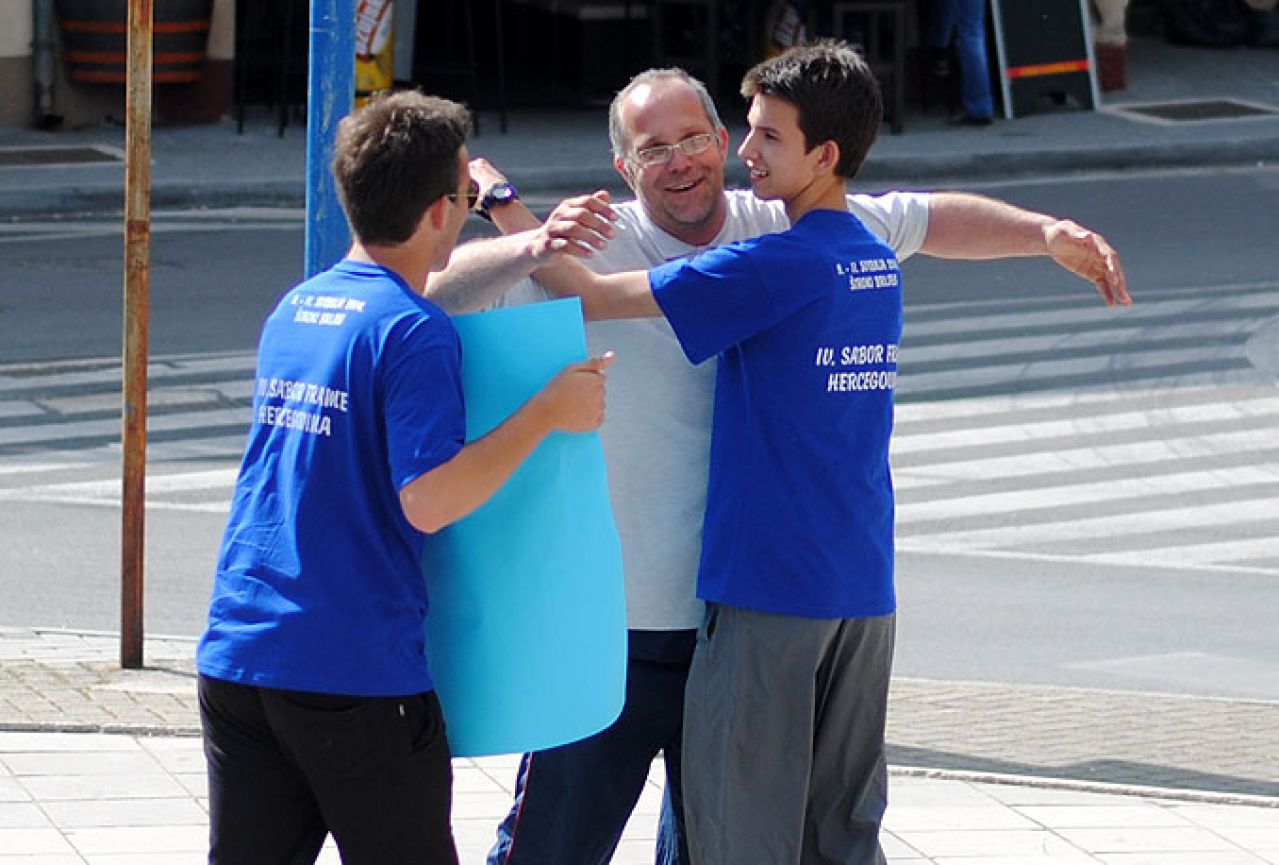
{"x":572,"y":802}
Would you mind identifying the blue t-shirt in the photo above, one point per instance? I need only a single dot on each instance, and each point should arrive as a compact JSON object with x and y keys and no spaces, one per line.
{"x":799,"y":511}
{"x":319,"y":584}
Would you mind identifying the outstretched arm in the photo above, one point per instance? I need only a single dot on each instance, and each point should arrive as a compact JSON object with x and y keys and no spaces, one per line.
{"x":967,"y":226}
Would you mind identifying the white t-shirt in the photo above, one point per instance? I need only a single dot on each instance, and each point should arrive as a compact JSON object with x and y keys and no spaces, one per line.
{"x":657,"y":433}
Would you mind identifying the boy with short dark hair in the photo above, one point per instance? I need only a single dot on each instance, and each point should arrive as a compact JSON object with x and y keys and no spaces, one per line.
{"x":786,"y":699}
{"x":316,"y":699}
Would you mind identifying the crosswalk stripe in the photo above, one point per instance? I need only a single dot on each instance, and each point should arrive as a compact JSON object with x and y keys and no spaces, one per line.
{"x":1212,"y":552}
{"x":980,"y":409}
{"x":107,"y":492}
{"x":928,"y":548}
{"x":155,"y":483}
{"x":71,"y":406}
{"x":20,"y":468}
{"x":1085,"y":425}
{"x":91,"y":429}
{"x":1045,"y":372}
{"x":152,"y":504}
{"x":951,"y":308}
{"x":1152,"y":454}
{"x":107,"y":373}
{"x":1069,"y":318}
{"x":14,"y":409}
{"x":951,"y":351}
{"x":1142,"y":522}
{"x":1014,"y":501}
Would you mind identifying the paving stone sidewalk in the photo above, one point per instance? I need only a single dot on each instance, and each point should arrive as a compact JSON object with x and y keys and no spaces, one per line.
{"x":71,"y":681}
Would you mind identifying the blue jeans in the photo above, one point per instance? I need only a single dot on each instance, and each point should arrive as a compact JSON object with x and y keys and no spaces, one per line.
{"x":965,"y":21}
{"x":572,"y":802}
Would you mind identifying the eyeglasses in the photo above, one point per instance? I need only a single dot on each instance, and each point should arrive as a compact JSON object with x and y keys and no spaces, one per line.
{"x":472,"y":194}
{"x":662,"y":153}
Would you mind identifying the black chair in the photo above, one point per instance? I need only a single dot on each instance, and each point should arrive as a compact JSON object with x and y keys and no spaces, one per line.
{"x":446,"y":19}
{"x":271,"y":55}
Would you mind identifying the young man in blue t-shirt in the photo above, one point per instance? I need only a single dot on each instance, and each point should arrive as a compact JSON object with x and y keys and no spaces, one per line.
{"x":315,"y":692}
{"x":787,"y":696}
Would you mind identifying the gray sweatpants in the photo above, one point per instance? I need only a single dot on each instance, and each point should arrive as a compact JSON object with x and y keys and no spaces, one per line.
{"x":784,"y":739}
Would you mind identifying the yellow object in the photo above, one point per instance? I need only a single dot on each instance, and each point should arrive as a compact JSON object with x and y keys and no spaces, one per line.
{"x":374,"y":49}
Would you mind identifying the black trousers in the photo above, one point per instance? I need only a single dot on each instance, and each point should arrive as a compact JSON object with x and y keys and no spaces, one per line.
{"x":286,"y":768}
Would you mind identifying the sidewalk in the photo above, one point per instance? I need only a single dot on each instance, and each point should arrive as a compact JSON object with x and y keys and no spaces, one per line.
{"x":568,"y":151}
{"x":100,"y":765}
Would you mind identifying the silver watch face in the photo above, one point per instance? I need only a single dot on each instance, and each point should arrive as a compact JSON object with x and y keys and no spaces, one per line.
{"x":502,"y":192}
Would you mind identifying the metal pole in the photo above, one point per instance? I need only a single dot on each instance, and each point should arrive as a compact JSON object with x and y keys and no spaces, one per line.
{"x":42,"y":56}
{"x":137,"y":286}
{"x":330,"y":94}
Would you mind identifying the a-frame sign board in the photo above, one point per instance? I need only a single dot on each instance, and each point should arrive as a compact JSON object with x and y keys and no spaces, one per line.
{"x":1045,"y":54}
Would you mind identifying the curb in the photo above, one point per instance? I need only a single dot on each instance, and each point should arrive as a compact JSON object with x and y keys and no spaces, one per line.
{"x":150,"y":731}
{"x":1176,"y":794}
{"x":175,"y":196}
{"x":913,"y":169}
{"x":1179,"y":794}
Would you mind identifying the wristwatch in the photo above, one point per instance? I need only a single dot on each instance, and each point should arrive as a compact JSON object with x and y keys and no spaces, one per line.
{"x":497,"y":194}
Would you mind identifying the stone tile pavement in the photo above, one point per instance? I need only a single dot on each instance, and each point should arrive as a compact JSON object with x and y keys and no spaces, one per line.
{"x":71,"y":681}
{"x":100,"y":766}
{"x":104,"y":799}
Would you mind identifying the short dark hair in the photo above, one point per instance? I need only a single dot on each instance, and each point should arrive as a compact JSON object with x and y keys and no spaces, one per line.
{"x":835,"y":92}
{"x":393,"y":159}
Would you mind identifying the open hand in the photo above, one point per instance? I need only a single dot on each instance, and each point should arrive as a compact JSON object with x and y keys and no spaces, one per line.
{"x":1087,"y":254}
{"x":578,"y":226}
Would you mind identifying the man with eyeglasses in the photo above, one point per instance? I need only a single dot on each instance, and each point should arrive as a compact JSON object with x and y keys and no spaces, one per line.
{"x":572,"y":803}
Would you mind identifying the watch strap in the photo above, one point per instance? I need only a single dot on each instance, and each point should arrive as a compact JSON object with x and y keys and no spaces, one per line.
{"x":499,"y":193}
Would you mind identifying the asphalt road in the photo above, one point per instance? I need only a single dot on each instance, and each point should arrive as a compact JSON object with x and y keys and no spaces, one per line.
{"x":1085,"y":496}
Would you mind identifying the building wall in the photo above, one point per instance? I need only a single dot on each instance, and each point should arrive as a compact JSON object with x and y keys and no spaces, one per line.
{"x":16,"y":87}
{"x":15,"y":36}
{"x":16,"y":95}
{"x":84,"y":105}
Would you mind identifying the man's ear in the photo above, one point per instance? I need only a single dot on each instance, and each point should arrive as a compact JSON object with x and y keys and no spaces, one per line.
{"x":437,"y":213}
{"x":828,"y":156}
{"x":623,"y":169}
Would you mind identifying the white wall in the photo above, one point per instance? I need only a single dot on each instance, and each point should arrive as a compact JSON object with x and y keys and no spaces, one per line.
{"x":16,"y":29}
{"x":221,"y":30}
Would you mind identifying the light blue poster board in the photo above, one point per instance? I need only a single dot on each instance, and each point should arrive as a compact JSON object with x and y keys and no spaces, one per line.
{"x":526,"y":634}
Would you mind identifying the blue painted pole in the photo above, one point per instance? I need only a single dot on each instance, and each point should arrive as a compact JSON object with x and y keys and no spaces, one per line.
{"x":330,"y":95}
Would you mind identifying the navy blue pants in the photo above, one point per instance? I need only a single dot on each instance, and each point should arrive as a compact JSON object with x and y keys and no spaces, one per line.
{"x":572,"y":802}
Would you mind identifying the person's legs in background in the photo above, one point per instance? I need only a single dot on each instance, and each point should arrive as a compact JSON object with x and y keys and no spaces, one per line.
{"x":1111,"y":44}
{"x":970,"y":43}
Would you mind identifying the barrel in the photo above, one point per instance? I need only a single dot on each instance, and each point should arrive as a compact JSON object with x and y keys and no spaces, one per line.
{"x":95,"y":40}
